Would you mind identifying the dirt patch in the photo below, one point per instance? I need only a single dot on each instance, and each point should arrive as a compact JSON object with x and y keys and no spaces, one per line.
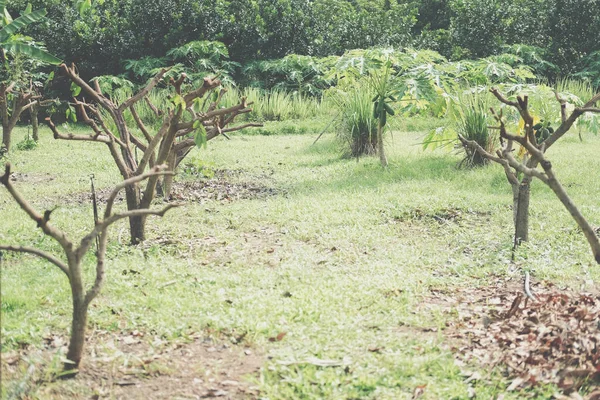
{"x":136,"y":366}
{"x":258,"y":246}
{"x":224,"y":186}
{"x":220,"y":190}
{"x":441,"y":216}
{"x":31,"y":177}
{"x":551,"y":339}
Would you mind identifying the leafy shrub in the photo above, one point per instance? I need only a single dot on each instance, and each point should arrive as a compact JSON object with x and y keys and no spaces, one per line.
{"x":276,"y":105}
{"x":27,"y":144}
{"x":197,"y":167}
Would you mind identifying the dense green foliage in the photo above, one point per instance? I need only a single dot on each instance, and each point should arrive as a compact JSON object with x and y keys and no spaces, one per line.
{"x":99,"y":38}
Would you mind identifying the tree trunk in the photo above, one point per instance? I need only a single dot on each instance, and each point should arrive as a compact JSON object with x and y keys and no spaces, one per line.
{"x":5,"y":118}
{"x":168,"y":179}
{"x":521,"y":212}
{"x":34,"y":122}
{"x":6,"y":133}
{"x":137,"y":224}
{"x":10,"y":121}
{"x":380,"y":147}
{"x":77,"y":340}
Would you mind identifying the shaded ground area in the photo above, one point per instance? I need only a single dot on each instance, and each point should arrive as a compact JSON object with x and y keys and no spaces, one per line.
{"x":553,"y":338}
{"x":136,"y":366}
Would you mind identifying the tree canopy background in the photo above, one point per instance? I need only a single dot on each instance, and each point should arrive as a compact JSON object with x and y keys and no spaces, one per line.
{"x":567,"y":32}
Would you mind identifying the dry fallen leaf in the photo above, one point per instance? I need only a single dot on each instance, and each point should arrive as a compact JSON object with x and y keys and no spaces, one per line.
{"x":552,"y":340}
{"x":419,"y":391}
{"x":278,"y":338}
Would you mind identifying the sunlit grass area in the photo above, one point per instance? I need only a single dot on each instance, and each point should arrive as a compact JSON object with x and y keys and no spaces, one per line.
{"x":337,"y":253}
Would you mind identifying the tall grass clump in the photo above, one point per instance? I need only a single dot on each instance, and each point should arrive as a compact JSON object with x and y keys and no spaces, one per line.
{"x":277,"y":106}
{"x":357,"y":128}
{"x":472,"y":122}
{"x":274,"y":105}
{"x":583,"y":89}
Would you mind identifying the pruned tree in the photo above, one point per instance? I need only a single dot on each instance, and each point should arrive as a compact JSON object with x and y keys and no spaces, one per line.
{"x":520,"y":171}
{"x":183,"y":125}
{"x":15,"y":98}
{"x":13,"y":103}
{"x":74,"y":253}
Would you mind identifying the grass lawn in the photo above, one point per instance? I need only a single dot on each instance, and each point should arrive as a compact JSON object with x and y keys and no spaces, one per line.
{"x":324,"y":266}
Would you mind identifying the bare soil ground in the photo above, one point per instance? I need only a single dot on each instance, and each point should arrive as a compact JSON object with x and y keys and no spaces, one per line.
{"x":134,"y":366}
{"x":224,"y":186}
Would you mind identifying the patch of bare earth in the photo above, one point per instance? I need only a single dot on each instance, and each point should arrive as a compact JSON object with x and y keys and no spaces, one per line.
{"x":135,"y":366}
{"x":225,"y":186}
{"x":31,"y":177}
{"x":553,"y":338}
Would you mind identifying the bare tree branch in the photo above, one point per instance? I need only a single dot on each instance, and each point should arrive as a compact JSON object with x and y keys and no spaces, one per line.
{"x":140,"y":124}
{"x":208,"y":85}
{"x":155,"y":110}
{"x":563,"y":106}
{"x":590,"y":110}
{"x":98,"y":137}
{"x":41,"y":220}
{"x":503,"y":99}
{"x":144,"y":92}
{"x":240,"y":127}
{"x":31,"y":250}
{"x":157,"y":170}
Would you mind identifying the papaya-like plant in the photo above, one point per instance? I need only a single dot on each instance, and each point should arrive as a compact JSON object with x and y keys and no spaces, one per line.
{"x":382,"y":82}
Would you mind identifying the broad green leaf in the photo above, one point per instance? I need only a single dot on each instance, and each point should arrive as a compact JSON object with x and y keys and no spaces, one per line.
{"x":200,"y":137}
{"x":178,"y":101}
{"x":197,"y":104}
{"x":6,"y":18}
{"x":30,"y":51}
{"x":83,"y":6}
{"x":21,"y":22}
{"x":75,"y":89}
{"x":71,"y":114}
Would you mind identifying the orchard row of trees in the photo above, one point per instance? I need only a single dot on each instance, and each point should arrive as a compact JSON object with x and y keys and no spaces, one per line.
{"x":100,"y":35}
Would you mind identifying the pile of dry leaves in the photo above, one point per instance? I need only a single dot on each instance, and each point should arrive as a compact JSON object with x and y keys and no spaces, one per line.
{"x":551,"y":338}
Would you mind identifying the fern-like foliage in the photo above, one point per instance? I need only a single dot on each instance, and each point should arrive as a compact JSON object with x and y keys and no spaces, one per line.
{"x":144,"y":67}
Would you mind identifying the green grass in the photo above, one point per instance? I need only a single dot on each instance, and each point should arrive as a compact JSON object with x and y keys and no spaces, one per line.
{"x":317,"y":260}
